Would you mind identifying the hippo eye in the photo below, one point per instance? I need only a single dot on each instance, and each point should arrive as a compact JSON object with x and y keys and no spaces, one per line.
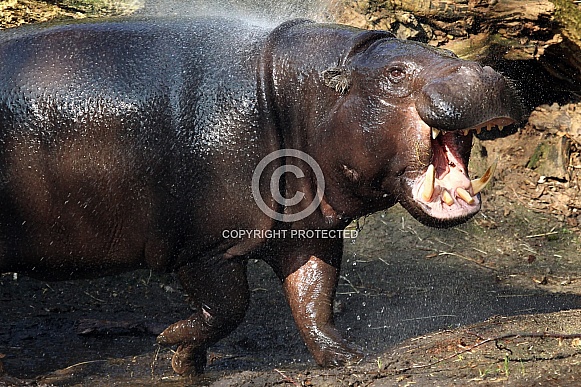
{"x":396,"y":74}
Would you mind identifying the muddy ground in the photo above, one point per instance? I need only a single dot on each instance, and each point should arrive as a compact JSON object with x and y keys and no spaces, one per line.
{"x":496,"y":301}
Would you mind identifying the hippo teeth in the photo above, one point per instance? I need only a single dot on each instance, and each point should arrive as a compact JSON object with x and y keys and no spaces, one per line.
{"x":435,"y":133}
{"x":479,"y":184}
{"x":428,"y":190}
{"x":464,"y":195}
{"x":447,"y":198}
{"x":488,"y":127}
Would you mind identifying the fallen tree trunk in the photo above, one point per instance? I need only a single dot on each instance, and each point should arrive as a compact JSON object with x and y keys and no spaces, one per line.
{"x":545,"y":33}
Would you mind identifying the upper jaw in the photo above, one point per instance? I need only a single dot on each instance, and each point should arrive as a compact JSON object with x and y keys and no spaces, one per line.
{"x":499,"y":123}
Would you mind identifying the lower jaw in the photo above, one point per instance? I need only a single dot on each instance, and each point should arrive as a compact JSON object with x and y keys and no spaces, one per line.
{"x":446,"y":218}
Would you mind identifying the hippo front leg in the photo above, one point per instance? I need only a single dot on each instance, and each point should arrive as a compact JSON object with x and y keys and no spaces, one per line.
{"x":218,"y":290}
{"x":310,"y":291}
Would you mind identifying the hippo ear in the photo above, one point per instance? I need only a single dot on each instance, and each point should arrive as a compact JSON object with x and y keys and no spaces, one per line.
{"x":363,"y":40}
{"x":338,"y":78}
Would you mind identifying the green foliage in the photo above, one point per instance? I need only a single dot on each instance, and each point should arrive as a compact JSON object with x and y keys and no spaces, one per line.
{"x":569,"y":14}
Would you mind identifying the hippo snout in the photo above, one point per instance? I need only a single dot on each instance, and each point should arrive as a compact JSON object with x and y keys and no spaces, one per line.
{"x":466,"y":97}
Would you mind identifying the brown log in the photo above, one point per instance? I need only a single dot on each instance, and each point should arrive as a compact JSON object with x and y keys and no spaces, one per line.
{"x":547,"y":31}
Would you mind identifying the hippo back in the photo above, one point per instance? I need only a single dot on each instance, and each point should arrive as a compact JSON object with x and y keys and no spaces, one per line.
{"x":120,"y":137}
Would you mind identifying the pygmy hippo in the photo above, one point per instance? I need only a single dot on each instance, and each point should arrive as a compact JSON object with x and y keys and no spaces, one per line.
{"x":147,"y":143}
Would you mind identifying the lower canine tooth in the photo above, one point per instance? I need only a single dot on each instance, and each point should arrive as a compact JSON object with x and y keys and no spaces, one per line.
{"x":447,"y":198}
{"x":428,"y":190}
{"x":479,"y":184}
{"x":464,"y":195}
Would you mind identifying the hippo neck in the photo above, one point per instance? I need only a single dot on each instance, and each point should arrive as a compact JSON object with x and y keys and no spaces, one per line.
{"x":299,"y":101}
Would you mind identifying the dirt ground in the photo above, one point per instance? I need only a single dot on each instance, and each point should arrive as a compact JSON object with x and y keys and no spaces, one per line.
{"x":496,"y":301}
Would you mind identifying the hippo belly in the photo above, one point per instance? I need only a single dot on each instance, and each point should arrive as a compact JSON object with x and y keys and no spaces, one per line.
{"x":136,"y":143}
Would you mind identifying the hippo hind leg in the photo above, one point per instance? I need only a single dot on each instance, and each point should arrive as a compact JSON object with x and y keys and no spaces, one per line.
{"x":218,"y":289}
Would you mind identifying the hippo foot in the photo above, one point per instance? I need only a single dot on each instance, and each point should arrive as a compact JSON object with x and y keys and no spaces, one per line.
{"x":342,"y":356}
{"x":336,"y":354}
{"x":189,"y":360}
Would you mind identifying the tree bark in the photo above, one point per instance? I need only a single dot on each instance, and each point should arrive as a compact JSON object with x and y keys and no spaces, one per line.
{"x":486,"y":30}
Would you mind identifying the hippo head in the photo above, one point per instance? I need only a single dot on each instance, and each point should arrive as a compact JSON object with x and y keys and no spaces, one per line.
{"x":403,"y":125}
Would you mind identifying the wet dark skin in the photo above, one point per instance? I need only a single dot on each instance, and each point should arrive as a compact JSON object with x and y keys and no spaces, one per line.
{"x":128,"y":144}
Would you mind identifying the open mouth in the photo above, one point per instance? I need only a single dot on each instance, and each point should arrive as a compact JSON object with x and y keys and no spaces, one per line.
{"x":444,"y":190}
